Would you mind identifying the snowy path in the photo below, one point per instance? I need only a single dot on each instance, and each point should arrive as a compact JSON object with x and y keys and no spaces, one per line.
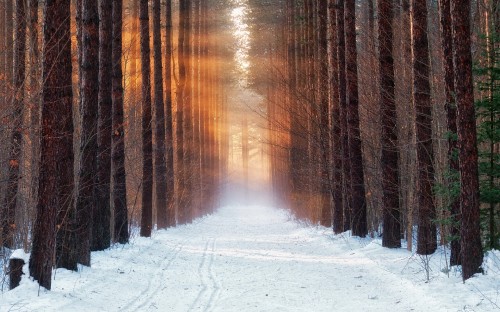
{"x":253,"y":259}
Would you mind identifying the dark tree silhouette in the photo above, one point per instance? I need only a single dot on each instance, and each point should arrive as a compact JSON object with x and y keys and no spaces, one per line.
{"x":359,"y":225}
{"x":426,"y":240}
{"x":390,"y":151}
{"x":147,"y":135}
{"x":451,"y":120}
{"x":87,"y":182}
{"x":119,"y":195}
{"x":346,"y":167}
{"x":101,"y":226}
{"x":10,"y":201}
{"x":169,"y":135}
{"x":160,"y":161}
{"x":470,"y":233}
{"x":333,"y":74}
{"x":56,"y":168}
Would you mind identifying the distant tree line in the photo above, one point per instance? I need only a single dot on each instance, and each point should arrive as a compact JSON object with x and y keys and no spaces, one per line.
{"x":384,"y":118}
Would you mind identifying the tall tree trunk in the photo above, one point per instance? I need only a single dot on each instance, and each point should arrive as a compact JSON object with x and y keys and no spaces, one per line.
{"x":147,"y":135}
{"x":346,"y":168}
{"x":8,"y":89}
{"x":35,"y":85}
{"x":470,"y":234}
{"x":87,"y":182}
{"x":160,"y":161}
{"x":390,"y":151}
{"x":324,"y":130}
{"x":359,"y":224}
{"x":451,"y":119}
{"x":182,"y":94}
{"x":426,"y":240}
{"x":119,"y":194}
{"x":188,"y":170}
{"x":101,"y":226}
{"x":169,"y":135}
{"x":3,"y":48}
{"x":56,"y":167}
{"x":9,"y":220}
{"x":336,"y":139}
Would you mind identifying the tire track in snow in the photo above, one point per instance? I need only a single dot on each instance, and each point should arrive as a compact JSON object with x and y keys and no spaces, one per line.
{"x":216,"y":284}
{"x":210,"y":289}
{"x":146,"y":297}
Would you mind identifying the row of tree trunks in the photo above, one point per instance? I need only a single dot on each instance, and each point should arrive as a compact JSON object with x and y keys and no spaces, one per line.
{"x":400,"y":145}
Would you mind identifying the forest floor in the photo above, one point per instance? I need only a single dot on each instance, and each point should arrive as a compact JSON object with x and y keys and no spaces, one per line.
{"x":255,"y":258}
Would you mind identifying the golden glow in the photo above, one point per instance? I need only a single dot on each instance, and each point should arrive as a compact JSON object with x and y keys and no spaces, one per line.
{"x":241,"y":34}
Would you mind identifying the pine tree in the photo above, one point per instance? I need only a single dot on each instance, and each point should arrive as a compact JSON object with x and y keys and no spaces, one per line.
{"x":169,"y":141}
{"x":426,"y":240}
{"x":14,"y":161}
{"x":119,"y":194}
{"x":359,"y":224}
{"x":87,"y":182}
{"x":147,"y":135}
{"x":390,"y":150}
{"x":101,"y":226}
{"x":160,"y":161}
{"x":56,"y":168}
{"x":470,"y":236}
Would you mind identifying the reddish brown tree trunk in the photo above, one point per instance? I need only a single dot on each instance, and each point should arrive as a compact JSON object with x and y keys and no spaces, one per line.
{"x":470,"y":233}
{"x":160,"y":161}
{"x":10,"y":201}
{"x":56,"y":167}
{"x":426,"y":240}
{"x":390,"y":151}
{"x":119,"y":195}
{"x":147,"y":135}
{"x":101,"y":227}
{"x":324,"y":130}
{"x":359,"y":224}
{"x":336,"y":148}
{"x":169,"y":141}
{"x":451,"y":119}
{"x":346,"y":168}
{"x":87,"y":183}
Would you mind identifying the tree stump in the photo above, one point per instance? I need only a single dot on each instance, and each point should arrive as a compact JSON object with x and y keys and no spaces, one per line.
{"x":15,"y":272}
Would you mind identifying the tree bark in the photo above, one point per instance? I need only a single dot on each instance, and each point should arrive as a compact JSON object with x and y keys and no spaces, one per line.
{"x":390,"y":150}
{"x":169,"y":135}
{"x":346,"y":168}
{"x":147,"y":135}
{"x":451,"y":120}
{"x":182,"y":101}
{"x":119,"y":194}
{"x":56,"y":166}
{"x":87,"y":182}
{"x":324,"y":130}
{"x":336,"y":139}
{"x":101,"y":226}
{"x":470,"y":233}
{"x":160,"y":160}
{"x":10,"y":201}
{"x":359,"y":224}
{"x":426,"y":240}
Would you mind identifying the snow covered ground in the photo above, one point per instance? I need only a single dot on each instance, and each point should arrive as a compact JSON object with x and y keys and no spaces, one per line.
{"x":255,"y":258}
